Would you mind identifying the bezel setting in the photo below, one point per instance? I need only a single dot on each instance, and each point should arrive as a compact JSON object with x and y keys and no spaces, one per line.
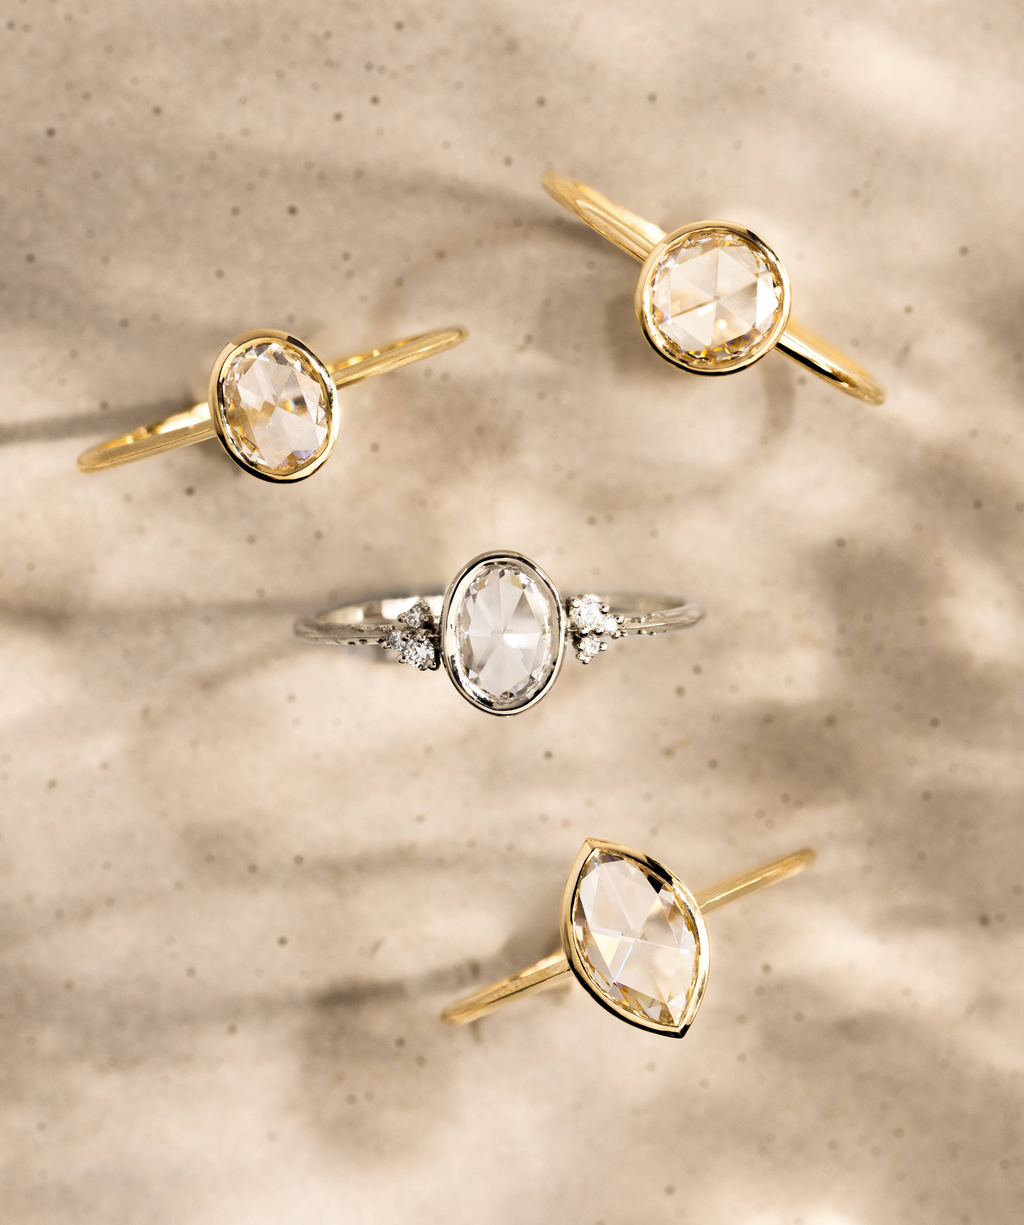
{"x":687,"y":902}
{"x":453,"y":598}
{"x":644,"y":305}
{"x":218,"y":407}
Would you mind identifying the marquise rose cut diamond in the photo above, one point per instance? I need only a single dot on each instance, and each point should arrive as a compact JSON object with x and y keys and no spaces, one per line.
{"x":275,"y":410}
{"x":714,"y":296}
{"x":634,"y":937}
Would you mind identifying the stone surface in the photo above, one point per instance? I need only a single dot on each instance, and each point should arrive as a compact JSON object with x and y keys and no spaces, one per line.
{"x":635,"y":937}
{"x":506,"y":627}
{"x":713,"y":296}
{"x":275,"y":407}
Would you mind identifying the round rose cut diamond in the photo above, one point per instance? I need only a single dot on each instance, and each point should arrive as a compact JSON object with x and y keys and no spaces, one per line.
{"x":635,"y":938}
{"x":712,"y":298}
{"x":503,"y":633}
{"x":274,"y":407}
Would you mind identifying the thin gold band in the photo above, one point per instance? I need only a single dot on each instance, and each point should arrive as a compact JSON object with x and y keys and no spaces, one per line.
{"x":554,"y":970}
{"x":194,"y":424}
{"x":638,"y":238}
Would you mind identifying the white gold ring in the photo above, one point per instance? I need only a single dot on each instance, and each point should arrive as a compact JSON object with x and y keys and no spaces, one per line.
{"x":501,"y":630}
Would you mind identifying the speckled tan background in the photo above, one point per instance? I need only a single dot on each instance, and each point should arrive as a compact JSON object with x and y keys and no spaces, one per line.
{"x":240,"y":875}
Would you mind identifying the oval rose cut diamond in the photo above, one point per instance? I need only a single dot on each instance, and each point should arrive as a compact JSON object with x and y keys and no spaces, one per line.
{"x":503,"y":633}
{"x":636,"y":939}
{"x":712,"y":299}
{"x":275,"y":412}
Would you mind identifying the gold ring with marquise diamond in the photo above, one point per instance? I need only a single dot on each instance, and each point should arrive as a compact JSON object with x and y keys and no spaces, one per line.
{"x":272,"y":403}
{"x":501,"y":629}
{"x":713,"y":297}
{"x":633,"y":936}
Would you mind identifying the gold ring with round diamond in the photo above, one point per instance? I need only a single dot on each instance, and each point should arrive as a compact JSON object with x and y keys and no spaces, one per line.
{"x":272,"y":403}
{"x":633,"y":935}
{"x":501,"y":630}
{"x":712,"y":297}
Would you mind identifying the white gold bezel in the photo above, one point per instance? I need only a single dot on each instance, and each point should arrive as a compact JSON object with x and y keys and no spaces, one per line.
{"x":449,"y":654}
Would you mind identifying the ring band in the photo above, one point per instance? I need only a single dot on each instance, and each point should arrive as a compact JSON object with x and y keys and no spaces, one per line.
{"x":274,"y":401}
{"x":712,"y":297}
{"x":633,"y":936}
{"x":501,"y":629}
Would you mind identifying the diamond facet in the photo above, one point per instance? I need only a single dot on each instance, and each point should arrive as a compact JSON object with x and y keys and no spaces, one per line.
{"x":713,"y":297}
{"x":635,"y":937}
{"x":503,"y":634}
{"x":275,"y":411}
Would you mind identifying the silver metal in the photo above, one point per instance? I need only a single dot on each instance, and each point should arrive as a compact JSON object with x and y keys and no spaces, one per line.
{"x":417,"y":626}
{"x":364,"y":624}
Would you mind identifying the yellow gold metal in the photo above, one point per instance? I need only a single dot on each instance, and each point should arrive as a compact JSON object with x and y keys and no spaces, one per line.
{"x":559,"y":968}
{"x":647,"y":242}
{"x":195,"y":424}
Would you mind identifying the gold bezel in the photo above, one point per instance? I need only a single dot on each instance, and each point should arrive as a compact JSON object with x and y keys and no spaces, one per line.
{"x":450,"y":665}
{"x":215,"y":400}
{"x":702,"y":963}
{"x":670,"y":351}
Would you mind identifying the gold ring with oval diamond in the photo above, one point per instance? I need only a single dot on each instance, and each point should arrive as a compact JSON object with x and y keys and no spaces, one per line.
{"x":501,"y":629}
{"x":712,"y":297}
{"x":274,"y":404}
{"x":633,"y":935}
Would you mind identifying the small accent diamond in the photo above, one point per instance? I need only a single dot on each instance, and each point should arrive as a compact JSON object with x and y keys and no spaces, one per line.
{"x":589,"y":647}
{"x":587,"y":613}
{"x":419,"y":653}
{"x":396,"y":640}
{"x":418,"y":615}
